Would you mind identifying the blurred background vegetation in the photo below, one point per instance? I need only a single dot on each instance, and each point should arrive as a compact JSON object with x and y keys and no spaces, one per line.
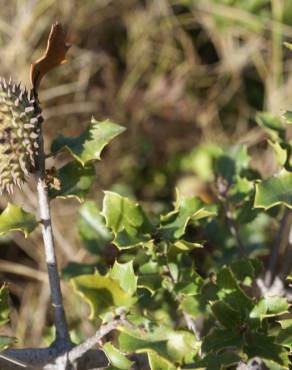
{"x":179,"y":74}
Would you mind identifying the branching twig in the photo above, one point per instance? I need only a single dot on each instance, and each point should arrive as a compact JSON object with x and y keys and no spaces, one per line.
{"x":81,"y":357}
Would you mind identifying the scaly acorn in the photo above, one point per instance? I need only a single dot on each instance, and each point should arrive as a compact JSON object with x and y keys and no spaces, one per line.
{"x":20,"y":121}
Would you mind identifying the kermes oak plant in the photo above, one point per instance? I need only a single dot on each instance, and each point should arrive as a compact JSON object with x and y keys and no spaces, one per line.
{"x":185,"y":289}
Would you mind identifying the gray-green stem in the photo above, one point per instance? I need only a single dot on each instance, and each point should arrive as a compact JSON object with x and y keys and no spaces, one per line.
{"x":62,"y":334}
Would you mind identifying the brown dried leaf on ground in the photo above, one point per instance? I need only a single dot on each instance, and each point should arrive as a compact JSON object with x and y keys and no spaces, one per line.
{"x":54,"y":55}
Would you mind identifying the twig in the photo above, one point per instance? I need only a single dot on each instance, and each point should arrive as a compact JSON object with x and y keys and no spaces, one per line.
{"x":223,"y":188}
{"x":62,"y":334}
{"x":280,"y":239}
{"x":84,"y":347}
{"x":81,"y":357}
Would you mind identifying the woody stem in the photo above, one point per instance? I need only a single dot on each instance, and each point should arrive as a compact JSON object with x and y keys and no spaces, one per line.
{"x":62,"y":334}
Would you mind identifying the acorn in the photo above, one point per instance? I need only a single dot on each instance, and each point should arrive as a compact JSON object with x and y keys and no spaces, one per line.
{"x":20,"y":129}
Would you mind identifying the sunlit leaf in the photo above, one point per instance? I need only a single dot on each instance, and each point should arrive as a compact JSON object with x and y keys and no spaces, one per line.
{"x":172,"y":345}
{"x":269,"y":307}
{"x":275,"y":190}
{"x":102,"y":293}
{"x":126,"y":219}
{"x":6,"y":342}
{"x":287,"y":116}
{"x":157,"y":362}
{"x":124,"y":273}
{"x":116,"y":358}
{"x":75,"y":181}
{"x":14,"y":218}
{"x":89,"y":145}
{"x":92,"y":229}
{"x":271,"y":124}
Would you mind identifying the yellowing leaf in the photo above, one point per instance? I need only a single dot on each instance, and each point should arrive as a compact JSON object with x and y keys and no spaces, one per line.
{"x":103,"y":293}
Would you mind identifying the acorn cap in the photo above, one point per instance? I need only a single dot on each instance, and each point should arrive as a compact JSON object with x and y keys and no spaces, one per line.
{"x":20,"y":123}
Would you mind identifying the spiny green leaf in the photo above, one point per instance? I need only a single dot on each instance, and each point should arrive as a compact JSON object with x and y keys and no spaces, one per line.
{"x":75,"y":181}
{"x":173,"y":345}
{"x":263,"y":346}
{"x":270,"y":307}
{"x":117,"y":358}
{"x":6,"y":342}
{"x":221,"y":338}
{"x":173,"y":224}
{"x":89,"y":145}
{"x":124,"y":273}
{"x":126,"y":219}
{"x":217,"y":361}
{"x":92,"y":229}
{"x":271,"y":124}
{"x":157,"y":362}
{"x":280,"y":152}
{"x":275,"y":190}
{"x":102,"y":293}
{"x":284,"y":337}
{"x":287,"y":116}
{"x":226,"y":315}
{"x":14,"y":218}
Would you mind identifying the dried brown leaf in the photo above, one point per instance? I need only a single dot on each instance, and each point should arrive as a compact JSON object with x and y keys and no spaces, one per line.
{"x":54,"y":55}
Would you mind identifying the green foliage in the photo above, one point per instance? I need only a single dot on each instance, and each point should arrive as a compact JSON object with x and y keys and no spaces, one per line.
{"x":75,"y":181}
{"x":89,"y":145}
{"x":175,"y":273}
{"x":5,"y":341}
{"x":14,"y":218}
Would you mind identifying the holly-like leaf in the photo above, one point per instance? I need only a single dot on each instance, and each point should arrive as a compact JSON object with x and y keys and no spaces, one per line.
{"x":178,"y":346}
{"x":6,"y":342}
{"x":287,"y":116}
{"x":173,"y":225}
{"x":89,"y":145}
{"x":221,"y":338}
{"x":4,"y":306}
{"x":274,"y":191}
{"x":284,"y":337}
{"x":263,"y":346}
{"x":217,"y":361}
{"x":124,"y":273}
{"x":226,"y":315}
{"x":116,"y":358}
{"x":102,"y":293}
{"x":270,"y":307}
{"x":54,"y":55}
{"x":127,"y":220}
{"x":271,"y":124}
{"x":92,"y":229}
{"x":157,"y":362}
{"x":14,"y":218}
{"x":75,"y":181}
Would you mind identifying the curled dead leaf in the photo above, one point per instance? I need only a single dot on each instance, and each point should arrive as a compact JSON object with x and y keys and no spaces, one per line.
{"x":54,"y":55}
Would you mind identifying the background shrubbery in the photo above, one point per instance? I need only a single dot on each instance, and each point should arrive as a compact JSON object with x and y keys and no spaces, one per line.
{"x":188,"y":79}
